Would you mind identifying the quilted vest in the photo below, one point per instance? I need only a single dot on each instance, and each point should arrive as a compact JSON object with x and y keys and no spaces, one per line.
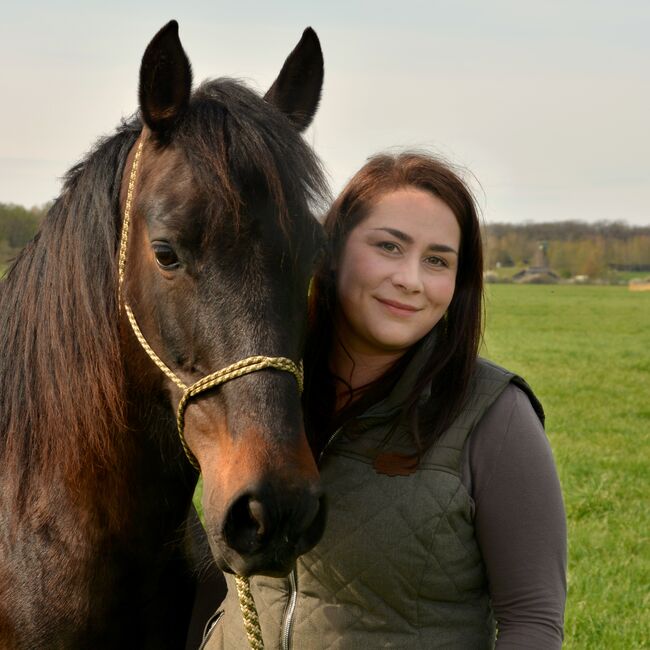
{"x":398,"y":565}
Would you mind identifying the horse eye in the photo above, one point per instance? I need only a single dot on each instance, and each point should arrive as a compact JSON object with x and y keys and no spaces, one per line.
{"x":165,"y":255}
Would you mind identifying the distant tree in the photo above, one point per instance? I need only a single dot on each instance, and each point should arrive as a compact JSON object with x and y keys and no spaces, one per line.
{"x":574,"y":247}
{"x":17,"y":224}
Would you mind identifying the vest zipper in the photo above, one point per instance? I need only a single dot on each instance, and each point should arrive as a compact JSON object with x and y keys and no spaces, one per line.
{"x":327,"y":445}
{"x":287,"y":623}
{"x":289,"y":612}
{"x":209,"y":628}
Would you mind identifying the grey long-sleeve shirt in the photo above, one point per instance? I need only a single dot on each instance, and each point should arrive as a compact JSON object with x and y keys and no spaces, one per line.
{"x":520,"y":523}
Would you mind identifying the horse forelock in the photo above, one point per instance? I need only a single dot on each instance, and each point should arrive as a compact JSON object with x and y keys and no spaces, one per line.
{"x":231,"y":135}
{"x":61,"y":378}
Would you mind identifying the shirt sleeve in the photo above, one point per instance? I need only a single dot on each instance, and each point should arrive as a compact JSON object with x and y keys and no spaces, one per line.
{"x":520,"y":523}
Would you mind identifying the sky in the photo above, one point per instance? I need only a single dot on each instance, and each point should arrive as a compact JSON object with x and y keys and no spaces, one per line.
{"x":544,"y":106}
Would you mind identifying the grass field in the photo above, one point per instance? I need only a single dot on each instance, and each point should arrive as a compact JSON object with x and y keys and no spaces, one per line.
{"x":585,"y":350}
{"x":586,"y":353}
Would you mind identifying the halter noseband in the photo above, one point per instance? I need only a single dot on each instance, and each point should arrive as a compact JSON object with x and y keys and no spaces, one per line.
{"x":237,"y":369}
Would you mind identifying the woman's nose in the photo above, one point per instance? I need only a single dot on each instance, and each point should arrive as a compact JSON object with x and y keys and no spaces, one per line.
{"x":408,"y":275}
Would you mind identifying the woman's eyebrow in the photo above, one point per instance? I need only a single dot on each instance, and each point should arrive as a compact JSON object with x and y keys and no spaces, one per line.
{"x":398,"y":234}
{"x":407,"y":239}
{"x":442,"y":248}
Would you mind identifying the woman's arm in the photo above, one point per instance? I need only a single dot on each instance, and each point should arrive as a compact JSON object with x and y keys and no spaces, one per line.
{"x":520,"y":523}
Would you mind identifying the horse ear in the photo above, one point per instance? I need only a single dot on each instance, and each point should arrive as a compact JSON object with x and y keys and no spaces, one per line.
{"x":165,"y":80}
{"x":296,"y":91}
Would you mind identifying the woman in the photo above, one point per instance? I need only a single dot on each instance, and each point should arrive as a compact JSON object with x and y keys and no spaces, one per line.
{"x":445,"y":511}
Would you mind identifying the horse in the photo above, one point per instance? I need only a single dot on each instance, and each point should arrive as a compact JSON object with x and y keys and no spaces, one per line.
{"x":95,"y":488}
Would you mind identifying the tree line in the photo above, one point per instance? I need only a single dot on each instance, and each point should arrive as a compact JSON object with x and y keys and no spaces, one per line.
{"x":17,"y":226}
{"x":573,"y":247}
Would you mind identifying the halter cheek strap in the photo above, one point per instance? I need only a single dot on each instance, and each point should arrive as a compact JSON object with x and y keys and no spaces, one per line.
{"x":237,"y":369}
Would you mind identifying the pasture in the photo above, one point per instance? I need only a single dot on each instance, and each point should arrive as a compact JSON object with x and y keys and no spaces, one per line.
{"x":586,"y":353}
{"x":585,"y":350}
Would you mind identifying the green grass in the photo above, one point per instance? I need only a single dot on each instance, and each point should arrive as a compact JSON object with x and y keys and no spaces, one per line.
{"x":586,"y":353}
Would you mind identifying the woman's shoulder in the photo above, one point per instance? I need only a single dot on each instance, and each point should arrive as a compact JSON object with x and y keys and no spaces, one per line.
{"x":491,"y":375}
{"x":510,"y":434}
{"x":492,"y":394}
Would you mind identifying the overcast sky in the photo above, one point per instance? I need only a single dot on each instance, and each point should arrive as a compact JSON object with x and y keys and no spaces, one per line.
{"x":547,"y":104}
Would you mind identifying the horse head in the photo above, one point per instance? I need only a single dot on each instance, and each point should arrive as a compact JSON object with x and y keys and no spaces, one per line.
{"x":221,"y":247}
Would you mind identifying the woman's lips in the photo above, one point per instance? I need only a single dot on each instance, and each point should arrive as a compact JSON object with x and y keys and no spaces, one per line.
{"x":398,"y":307}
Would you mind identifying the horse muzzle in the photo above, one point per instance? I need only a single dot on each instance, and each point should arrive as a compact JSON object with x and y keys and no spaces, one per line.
{"x":266,"y":527}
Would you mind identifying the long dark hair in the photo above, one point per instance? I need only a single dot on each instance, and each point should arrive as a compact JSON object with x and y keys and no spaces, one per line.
{"x":449,"y":368}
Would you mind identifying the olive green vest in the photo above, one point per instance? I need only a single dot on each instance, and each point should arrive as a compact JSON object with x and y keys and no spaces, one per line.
{"x":398,"y":565}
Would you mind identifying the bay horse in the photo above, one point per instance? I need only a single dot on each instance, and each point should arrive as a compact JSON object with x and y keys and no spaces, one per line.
{"x":95,"y":488}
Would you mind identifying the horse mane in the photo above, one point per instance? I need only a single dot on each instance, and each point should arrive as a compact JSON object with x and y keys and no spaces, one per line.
{"x":61,"y":376}
{"x":62,"y":384}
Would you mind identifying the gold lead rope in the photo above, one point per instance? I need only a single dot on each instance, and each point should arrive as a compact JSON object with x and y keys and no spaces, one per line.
{"x":238,"y":369}
{"x":249,"y":613}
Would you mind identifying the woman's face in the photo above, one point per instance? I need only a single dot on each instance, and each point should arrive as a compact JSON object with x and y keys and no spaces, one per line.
{"x":397,"y":272}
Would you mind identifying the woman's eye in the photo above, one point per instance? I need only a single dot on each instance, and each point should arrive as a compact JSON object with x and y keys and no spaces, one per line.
{"x":389,"y":247}
{"x":436,"y":261}
{"x":165,"y":256}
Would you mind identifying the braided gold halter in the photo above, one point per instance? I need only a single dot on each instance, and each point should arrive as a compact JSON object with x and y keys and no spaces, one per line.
{"x":237,"y":369}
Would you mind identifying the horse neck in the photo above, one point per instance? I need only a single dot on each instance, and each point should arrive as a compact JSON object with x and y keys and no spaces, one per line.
{"x":164,"y":479}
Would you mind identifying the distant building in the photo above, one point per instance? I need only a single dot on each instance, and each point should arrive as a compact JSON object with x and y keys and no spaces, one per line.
{"x":639,"y":285}
{"x":539,"y":272}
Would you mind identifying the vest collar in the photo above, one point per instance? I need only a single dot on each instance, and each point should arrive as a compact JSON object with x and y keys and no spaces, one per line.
{"x":392,"y":404}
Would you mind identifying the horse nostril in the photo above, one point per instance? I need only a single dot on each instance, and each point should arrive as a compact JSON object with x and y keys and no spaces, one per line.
{"x":247,"y":525}
{"x":257,"y":513}
{"x":275,"y":525}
